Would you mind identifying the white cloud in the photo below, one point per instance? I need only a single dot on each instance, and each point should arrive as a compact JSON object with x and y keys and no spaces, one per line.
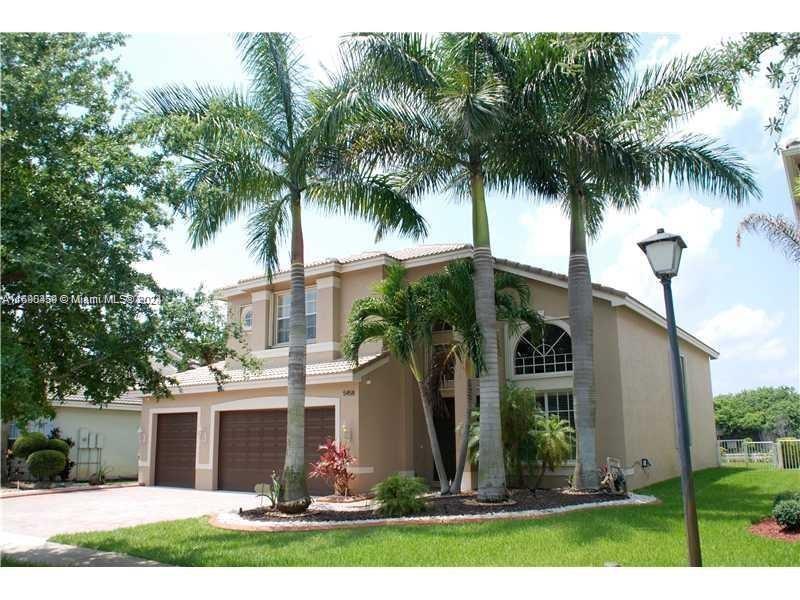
{"x":548,"y":232}
{"x":744,"y":332}
{"x":627,"y":268}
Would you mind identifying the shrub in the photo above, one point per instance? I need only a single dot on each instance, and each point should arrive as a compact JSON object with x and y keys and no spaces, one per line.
{"x":29,"y":443}
{"x":55,"y":434}
{"x":332,"y":467}
{"x":785,"y":496}
{"x":398,"y":496}
{"x":43,"y":464}
{"x":59,"y":446}
{"x":787,"y":514}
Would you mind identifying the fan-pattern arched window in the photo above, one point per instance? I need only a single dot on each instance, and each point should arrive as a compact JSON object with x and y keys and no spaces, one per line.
{"x":552,"y":353}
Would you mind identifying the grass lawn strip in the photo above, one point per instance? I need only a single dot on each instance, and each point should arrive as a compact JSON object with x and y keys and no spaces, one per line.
{"x":729,"y":501}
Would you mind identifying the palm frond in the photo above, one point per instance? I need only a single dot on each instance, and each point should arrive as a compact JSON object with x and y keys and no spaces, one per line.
{"x":702,"y":164}
{"x":279,"y":78}
{"x":782,"y":234}
{"x":372,"y":198}
{"x":267,"y":228}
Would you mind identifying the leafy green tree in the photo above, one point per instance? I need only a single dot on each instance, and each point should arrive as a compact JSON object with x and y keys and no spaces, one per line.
{"x":607,"y":134}
{"x":765,"y":412}
{"x":82,"y":204}
{"x":430,"y":109}
{"x":260,"y":152}
{"x":743,"y":57}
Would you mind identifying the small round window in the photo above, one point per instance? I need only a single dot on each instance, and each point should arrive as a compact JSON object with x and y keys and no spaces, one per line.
{"x":247,"y":318}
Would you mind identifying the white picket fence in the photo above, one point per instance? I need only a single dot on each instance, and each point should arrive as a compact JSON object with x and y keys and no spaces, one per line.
{"x":780,"y":454}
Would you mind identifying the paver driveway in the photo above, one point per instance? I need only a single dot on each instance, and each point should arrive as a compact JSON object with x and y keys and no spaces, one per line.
{"x":96,"y":510}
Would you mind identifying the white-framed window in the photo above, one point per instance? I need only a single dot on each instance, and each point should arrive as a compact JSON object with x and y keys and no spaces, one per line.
{"x":283,"y":305}
{"x":551,"y":354}
{"x":247,"y":318}
{"x":44,"y":426}
{"x":561,"y":404}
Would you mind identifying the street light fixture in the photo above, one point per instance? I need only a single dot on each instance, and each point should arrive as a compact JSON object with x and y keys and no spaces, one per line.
{"x":664,"y":251}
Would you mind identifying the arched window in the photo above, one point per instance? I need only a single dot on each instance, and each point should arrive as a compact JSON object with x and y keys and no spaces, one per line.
{"x":247,"y":318}
{"x":552,"y":353}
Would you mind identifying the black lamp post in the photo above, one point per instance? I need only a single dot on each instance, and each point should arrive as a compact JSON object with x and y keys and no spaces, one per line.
{"x":664,"y":250}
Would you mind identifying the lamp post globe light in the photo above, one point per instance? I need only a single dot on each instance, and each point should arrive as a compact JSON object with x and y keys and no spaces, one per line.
{"x":664,"y":251}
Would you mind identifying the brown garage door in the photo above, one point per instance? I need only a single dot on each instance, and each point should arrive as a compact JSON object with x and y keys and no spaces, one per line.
{"x":252,"y":443}
{"x":176,"y":444}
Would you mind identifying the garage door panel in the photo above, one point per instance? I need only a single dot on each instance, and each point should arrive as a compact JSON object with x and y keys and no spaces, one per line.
{"x":252,"y":444}
{"x":176,"y":449}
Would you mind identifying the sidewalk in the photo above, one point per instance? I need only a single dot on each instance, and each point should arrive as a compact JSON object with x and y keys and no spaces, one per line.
{"x":38,"y":551}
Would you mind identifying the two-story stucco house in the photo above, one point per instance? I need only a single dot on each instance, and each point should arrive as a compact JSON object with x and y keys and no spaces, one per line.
{"x":233,"y":438}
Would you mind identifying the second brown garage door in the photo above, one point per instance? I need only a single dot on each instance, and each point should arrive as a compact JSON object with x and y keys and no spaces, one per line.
{"x":252,"y":443}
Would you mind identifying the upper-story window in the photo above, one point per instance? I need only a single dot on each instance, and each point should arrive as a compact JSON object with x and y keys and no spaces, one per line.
{"x":247,"y":318}
{"x":282,"y":309}
{"x":552,"y":354}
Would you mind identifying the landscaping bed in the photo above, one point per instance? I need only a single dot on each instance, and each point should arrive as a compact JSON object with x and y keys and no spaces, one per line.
{"x":462,"y":508}
{"x":769,"y":528}
{"x":437,"y":506}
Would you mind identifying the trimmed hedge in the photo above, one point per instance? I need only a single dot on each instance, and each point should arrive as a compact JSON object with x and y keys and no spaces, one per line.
{"x":787,"y":514}
{"x":397,"y":496}
{"x":785,"y":496}
{"x":59,"y":446}
{"x":44,"y":464}
{"x":29,"y":443}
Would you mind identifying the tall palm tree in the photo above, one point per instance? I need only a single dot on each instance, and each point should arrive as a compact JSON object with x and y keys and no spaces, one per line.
{"x":608,"y":134}
{"x":260,"y":152}
{"x":453,"y":291}
{"x":429,"y":110}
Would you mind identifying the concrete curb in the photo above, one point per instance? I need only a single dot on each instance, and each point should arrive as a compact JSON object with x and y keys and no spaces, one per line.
{"x":68,"y":490}
{"x":233,"y":522}
{"x":40,"y":552}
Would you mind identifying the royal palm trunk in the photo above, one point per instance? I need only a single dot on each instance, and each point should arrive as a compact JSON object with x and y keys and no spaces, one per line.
{"x":294,"y":493}
{"x":581,"y":329}
{"x":491,"y":470}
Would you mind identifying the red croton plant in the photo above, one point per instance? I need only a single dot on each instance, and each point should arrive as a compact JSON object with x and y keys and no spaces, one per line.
{"x":332,"y":466}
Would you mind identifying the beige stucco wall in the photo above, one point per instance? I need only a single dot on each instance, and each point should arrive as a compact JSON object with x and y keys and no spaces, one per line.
{"x":648,"y":413}
{"x":119,"y":431}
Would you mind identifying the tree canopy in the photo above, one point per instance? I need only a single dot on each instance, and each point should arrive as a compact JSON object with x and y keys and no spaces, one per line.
{"x":83,"y":202}
{"x":765,"y":412}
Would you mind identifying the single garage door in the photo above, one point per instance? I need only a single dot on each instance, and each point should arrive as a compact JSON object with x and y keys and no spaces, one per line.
{"x":176,"y":445}
{"x":252,"y":443}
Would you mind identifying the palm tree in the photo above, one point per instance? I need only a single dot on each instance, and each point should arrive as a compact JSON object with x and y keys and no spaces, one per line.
{"x":260,"y":152}
{"x":608,"y":134}
{"x":429,"y":109}
{"x":552,"y":439}
{"x":401,"y":317}
{"x":453,"y":290}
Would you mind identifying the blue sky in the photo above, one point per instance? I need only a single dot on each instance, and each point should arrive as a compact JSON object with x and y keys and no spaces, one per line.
{"x":743,"y":301}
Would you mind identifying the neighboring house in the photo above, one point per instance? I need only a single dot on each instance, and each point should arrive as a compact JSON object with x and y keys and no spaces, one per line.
{"x":233,"y":438}
{"x":105,"y":436}
{"x":791,"y":164}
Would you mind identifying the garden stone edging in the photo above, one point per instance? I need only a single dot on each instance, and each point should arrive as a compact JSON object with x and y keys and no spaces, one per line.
{"x":231,"y":520}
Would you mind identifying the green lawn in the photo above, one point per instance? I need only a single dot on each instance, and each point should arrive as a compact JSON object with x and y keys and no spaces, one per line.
{"x":728,"y":500}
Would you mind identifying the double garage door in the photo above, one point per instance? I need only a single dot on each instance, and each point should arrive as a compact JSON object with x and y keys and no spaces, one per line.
{"x":252,"y":444}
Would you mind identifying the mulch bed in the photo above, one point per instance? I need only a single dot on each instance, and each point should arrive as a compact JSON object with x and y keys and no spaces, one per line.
{"x":769,"y":528}
{"x":441,"y":506}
